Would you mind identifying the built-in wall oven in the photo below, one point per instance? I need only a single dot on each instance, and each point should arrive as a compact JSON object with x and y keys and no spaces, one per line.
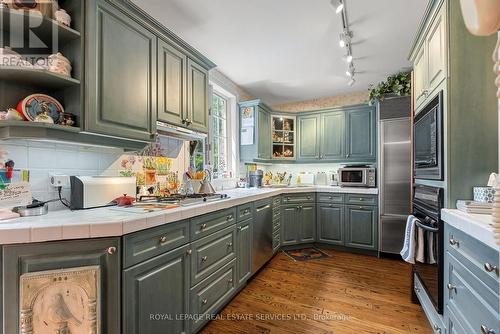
{"x":428,"y":141}
{"x":427,"y":205}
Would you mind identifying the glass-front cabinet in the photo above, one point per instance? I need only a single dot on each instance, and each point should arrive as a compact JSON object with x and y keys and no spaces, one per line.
{"x":283,"y":137}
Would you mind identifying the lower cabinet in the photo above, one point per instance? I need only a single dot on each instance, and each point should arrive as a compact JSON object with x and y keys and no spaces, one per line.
{"x":156,"y":294}
{"x":244,"y":250}
{"x":211,"y":294}
{"x":298,"y":224}
{"x":361,"y":227}
{"x":331,"y":223}
{"x":56,"y":261}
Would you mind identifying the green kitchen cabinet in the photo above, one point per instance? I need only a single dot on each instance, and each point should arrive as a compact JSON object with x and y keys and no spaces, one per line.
{"x":121,"y":73}
{"x":309,"y":137}
{"x":361,"y":142}
{"x":157,"y":287}
{"x":264,"y":133}
{"x":361,"y":227}
{"x":330,"y":223}
{"x":244,"y":250}
{"x":255,"y":117}
{"x":298,"y":224}
{"x":333,"y":136}
{"x":49,"y":258}
{"x":172,"y":84}
{"x":197,"y":107}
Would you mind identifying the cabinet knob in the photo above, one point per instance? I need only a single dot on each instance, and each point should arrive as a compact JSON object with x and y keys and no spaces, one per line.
{"x":111,"y":250}
{"x":229,"y":244}
{"x":230,"y":280}
{"x":228,"y":218}
{"x":425,"y":92}
{"x":489,"y":267}
{"x":203,"y":259}
{"x":163,"y":240}
{"x":437,"y":329}
{"x":417,"y":290}
{"x":203,"y":226}
{"x":361,"y":199}
{"x":189,"y":252}
{"x":451,"y":287}
{"x":204,"y":301}
{"x":239,"y":229}
{"x":308,"y":197}
{"x":486,"y":330}
{"x":454,"y":242}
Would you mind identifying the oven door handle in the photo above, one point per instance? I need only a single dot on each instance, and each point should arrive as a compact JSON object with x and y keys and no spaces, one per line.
{"x":427,"y":228}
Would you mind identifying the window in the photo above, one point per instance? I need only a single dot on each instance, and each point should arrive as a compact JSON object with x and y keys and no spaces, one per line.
{"x":219,"y":140}
{"x":198,"y":156}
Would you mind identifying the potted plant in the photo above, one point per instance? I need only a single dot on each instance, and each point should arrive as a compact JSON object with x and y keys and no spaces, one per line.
{"x":397,"y":85}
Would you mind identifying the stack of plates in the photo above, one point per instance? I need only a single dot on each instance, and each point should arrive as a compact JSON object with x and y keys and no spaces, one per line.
{"x":475,"y":207}
{"x":496,"y":214}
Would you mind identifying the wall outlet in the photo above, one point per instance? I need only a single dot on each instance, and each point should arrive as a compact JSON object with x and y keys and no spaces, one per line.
{"x":59,"y":180}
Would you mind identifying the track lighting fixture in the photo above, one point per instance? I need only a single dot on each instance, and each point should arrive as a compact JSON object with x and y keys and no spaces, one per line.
{"x":338,"y":5}
{"x":350,"y":71}
{"x":351,"y":81}
{"x":348,"y":58}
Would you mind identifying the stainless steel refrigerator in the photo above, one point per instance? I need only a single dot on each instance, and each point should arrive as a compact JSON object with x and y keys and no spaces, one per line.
{"x":394,"y":171}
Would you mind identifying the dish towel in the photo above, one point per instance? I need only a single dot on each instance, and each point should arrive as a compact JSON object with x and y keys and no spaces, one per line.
{"x":431,"y":252}
{"x":420,"y":256}
{"x":408,"y":251}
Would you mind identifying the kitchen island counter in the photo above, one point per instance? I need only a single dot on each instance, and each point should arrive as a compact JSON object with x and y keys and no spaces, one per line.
{"x":107,"y":222}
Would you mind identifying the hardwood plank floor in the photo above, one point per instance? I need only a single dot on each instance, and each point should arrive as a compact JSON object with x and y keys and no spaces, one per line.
{"x":346,"y":293}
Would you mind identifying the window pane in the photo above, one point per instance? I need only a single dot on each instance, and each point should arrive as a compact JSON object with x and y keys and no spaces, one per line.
{"x":215,"y":105}
{"x":222,"y":127}
{"x":222,"y":108}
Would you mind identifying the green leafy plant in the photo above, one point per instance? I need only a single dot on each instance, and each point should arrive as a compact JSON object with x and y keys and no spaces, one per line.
{"x":398,"y":84}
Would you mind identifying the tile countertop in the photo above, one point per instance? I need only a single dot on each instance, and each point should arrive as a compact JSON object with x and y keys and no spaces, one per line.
{"x":105,"y":222}
{"x":476,"y":225}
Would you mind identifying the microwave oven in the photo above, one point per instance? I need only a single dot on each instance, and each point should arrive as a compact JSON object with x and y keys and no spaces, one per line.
{"x":351,"y":176}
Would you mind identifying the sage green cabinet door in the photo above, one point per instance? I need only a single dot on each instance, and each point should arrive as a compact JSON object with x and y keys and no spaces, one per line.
{"x":361,"y":227}
{"x":361,"y":136}
{"x":309,"y":134}
{"x":333,"y":136}
{"x":197,"y":97}
{"x":172,"y":86}
{"x":331,"y":224}
{"x":289,"y":228}
{"x":121,"y":76}
{"x":159,"y":286}
{"x":307,"y":223}
{"x":264,"y":134}
{"x":244,"y":250}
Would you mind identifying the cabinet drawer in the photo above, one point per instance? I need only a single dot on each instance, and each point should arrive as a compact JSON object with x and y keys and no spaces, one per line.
{"x":361,"y":199}
{"x":212,"y":222}
{"x":299,"y":198}
{"x":276,"y":224}
{"x":211,"y":253}
{"x":244,"y":211}
{"x":470,"y":300}
{"x":143,"y":245}
{"x":210,"y":295}
{"x":434,"y":318}
{"x":330,"y":198}
{"x":476,"y":256}
{"x":276,"y":201}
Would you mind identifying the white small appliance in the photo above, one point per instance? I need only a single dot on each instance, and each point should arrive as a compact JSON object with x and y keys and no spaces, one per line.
{"x":97,"y":191}
{"x":305,"y":180}
{"x":321,"y":179}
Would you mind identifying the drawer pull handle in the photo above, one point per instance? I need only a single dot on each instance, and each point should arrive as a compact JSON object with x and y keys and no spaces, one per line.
{"x":189,"y":252}
{"x":486,"y":330}
{"x":111,"y":250}
{"x":203,"y":226}
{"x":229,"y":244}
{"x":228,"y":218}
{"x":204,"y":259}
{"x":239,"y":229}
{"x":417,"y":290}
{"x":489,"y":267}
{"x":308,"y":197}
{"x":163,"y":240}
{"x":454,"y":242}
{"x":230,"y":280}
{"x":204,"y":301}
{"x":437,"y":329}
{"x":330,"y":197}
{"x":451,"y":287}
{"x":360,"y":199}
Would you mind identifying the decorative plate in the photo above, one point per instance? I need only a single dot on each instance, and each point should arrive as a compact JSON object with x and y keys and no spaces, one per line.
{"x":33,"y":105}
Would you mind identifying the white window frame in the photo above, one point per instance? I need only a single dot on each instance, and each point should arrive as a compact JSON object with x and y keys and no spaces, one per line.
{"x":232,"y":146}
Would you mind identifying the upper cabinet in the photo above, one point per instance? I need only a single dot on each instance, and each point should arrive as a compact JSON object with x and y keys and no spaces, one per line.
{"x":309,"y":136}
{"x":264,"y":133}
{"x":172,"y":85}
{"x":283,"y":136}
{"x":121,"y":74}
{"x":197,"y":112}
{"x":333,"y":136}
{"x":360,"y":135}
{"x":429,"y":60}
{"x":255,"y":131}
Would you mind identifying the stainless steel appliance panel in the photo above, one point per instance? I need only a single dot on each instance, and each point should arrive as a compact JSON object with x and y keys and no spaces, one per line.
{"x":262,"y":249}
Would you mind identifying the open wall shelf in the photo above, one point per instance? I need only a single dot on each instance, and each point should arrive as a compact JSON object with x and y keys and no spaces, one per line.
{"x":36,"y":77}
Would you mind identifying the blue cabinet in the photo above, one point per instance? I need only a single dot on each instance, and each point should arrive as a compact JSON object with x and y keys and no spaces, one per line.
{"x":361,"y":227}
{"x":361,"y":139}
{"x":298,"y":220}
{"x":331,"y":223}
{"x":244,"y":250}
{"x":333,"y":136}
{"x":255,"y":117}
{"x":309,"y":137}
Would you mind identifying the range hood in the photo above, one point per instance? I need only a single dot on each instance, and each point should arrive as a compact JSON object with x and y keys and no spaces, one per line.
{"x":178,"y":132}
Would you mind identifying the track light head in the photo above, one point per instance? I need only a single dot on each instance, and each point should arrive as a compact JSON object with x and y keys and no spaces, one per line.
{"x":348,"y":59}
{"x":338,"y":5}
{"x":350,"y":71}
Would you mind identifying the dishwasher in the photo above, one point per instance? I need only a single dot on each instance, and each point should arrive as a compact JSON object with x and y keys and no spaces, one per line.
{"x":262,"y":247}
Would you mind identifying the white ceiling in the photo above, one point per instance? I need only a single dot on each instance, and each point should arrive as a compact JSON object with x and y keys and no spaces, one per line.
{"x":287,"y":50}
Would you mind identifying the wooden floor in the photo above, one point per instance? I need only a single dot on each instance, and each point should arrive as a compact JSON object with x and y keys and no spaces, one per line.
{"x":345,"y":293}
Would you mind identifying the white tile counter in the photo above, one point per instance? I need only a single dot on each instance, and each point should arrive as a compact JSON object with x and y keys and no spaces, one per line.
{"x":475,"y":225}
{"x":105,"y":222}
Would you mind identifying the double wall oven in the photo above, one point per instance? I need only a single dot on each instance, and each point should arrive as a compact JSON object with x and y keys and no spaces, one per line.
{"x":427,"y":205}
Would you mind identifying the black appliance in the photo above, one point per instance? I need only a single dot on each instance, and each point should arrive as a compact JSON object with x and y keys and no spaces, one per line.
{"x":427,"y":205}
{"x":428,"y":141}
